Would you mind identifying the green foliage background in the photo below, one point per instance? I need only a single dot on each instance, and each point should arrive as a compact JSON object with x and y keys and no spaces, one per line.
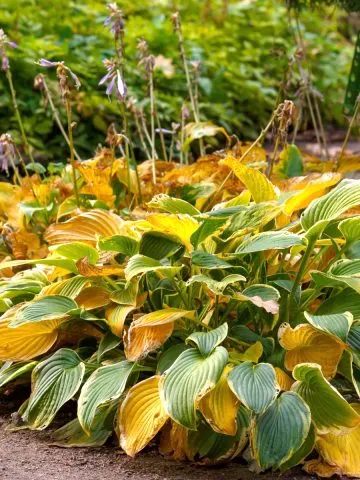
{"x":244,"y":53}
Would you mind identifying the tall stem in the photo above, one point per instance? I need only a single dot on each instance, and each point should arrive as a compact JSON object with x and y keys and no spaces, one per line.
{"x":152,"y":123}
{"x":302,"y":267}
{"x":348,"y":133}
{"x":161,"y":134}
{"x":18,"y":117}
{"x":71,"y":147}
{"x":57,"y":117}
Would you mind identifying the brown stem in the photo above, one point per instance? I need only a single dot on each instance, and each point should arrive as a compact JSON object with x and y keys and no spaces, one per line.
{"x":71,"y":147}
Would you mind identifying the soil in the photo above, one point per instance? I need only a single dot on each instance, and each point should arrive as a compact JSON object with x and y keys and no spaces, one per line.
{"x":27,"y":455}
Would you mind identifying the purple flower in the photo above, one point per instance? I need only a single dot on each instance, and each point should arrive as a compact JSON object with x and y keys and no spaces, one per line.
{"x":62,"y":70}
{"x":113,"y":80}
{"x":7,"y":152}
{"x":4,"y":43}
{"x":115,"y":20}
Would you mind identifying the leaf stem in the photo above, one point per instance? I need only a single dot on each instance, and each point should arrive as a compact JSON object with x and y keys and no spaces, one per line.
{"x":71,"y":147}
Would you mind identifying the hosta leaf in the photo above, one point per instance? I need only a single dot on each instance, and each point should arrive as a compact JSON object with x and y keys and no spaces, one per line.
{"x":105,"y":385}
{"x":244,"y":334}
{"x":337,"y":324}
{"x":283,"y":380}
{"x":55,"y":381}
{"x":64,"y":263}
{"x":195,"y":130}
{"x":346,"y":301}
{"x":169,"y":356}
{"x":299,"y":456}
{"x":289,"y":415}
{"x":71,"y":287}
{"x":306,"y":344}
{"x":342,"y":450}
{"x":209,"y":261}
{"x":158,"y":245}
{"x":269,"y":241}
{"x":344,"y":272}
{"x":251,"y":354}
{"x":150,"y":331}
{"x":207,"y":341}
{"x":27,"y":341}
{"x":139,"y":264}
{"x":189,"y":378}
{"x":87,"y":270}
{"x":119,"y":243}
{"x":116,"y":316}
{"x":47,"y":308}
{"x":354,"y":337}
{"x":254,"y":385}
{"x":344,"y":196}
{"x":178,"y":226}
{"x":330,"y":412}
{"x":93,"y":297}
{"x":351,"y":373}
{"x":86,"y":227}
{"x":72,"y":435}
{"x":261,"y":189}
{"x":141,"y":416}
{"x":216,"y":286}
{"x":108,"y":342}
{"x":263,"y":296}
{"x":208,"y":227}
{"x":11,"y":371}
{"x":75,"y":251}
{"x":292,"y":161}
{"x":219,"y":406}
{"x":350,"y":228}
{"x":169,"y":204}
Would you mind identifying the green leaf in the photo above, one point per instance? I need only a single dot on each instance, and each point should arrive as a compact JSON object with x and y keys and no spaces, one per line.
{"x":187,"y":380}
{"x":73,"y":286}
{"x":346,"y":301}
{"x":53,"y":262}
{"x":108,"y":342}
{"x":350,"y":228}
{"x":139,"y":264}
{"x":243,"y":333}
{"x":254,"y":385}
{"x":158,"y":245}
{"x":119,"y":243}
{"x":330,"y":412}
{"x":75,"y":251}
{"x":337,"y":324}
{"x":269,"y":241}
{"x":207,"y":341}
{"x":207,"y":228}
{"x":127,"y":295}
{"x":209,"y":261}
{"x":55,"y":382}
{"x":195,"y":131}
{"x":104,"y":386}
{"x":11,"y":371}
{"x":72,"y":435}
{"x":168,"y":204}
{"x":263,"y":296}
{"x":293,"y":161}
{"x":281,"y":430}
{"x":321,"y":211}
{"x":347,"y":370}
{"x":354,"y":337}
{"x":216,"y":286}
{"x":169,"y":356}
{"x":306,"y":448}
{"x":46,"y":308}
{"x":344,"y":272}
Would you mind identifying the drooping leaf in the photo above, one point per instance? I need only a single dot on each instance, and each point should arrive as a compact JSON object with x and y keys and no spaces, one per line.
{"x":116,"y":316}
{"x":289,"y":415}
{"x":88,"y":270}
{"x":207,"y":341}
{"x":349,"y":371}
{"x":139,"y":264}
{"x":168,"y":204}
{"x":75,"y":251}
{"x":350,"y":228}
{"x":270,"y":241}
{"x":337,"y":324}
{"x":141,"y":415}
{"x":284,"y":381}
{"x":346,"y":301}
{"x":217,"y":287}
{"x":105,"y":385}
{"x":188,"y":379}
{"x":158,"y":245}
{"x":254,"y":384}
{"x":72,"y":435}
{"x":93,"y":297}
{"x":263,"y":296}
{"x":330,"y":412}
{"x":10,"y":371}
{"x":119,"y":243}
{"x":207,"y":228}
{"x":178,"y":226}
{"x":55,"y":381}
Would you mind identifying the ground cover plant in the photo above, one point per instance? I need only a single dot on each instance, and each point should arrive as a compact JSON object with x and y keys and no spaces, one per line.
{"x":211,"y":305}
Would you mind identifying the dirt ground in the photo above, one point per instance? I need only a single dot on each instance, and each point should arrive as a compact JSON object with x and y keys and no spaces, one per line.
{"x":27,"y":455}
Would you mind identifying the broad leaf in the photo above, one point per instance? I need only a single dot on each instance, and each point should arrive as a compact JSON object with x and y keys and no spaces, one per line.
{"x":168,"y":204}
{"x":337,"y":324}
{"x":270,"y":241}
{"x":139,"y":264}
{"x":75,"y":251}
{"x":217,"y":287}
{"x":207,"y":341}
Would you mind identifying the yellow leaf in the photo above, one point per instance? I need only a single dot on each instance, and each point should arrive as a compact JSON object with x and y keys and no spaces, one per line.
{"x":150,"y":331}
{"x":219,"y":406}
{"x":349,"y":163}
{"x":342,"y":451}
{"x":180,"y":226}
{"x":251,"y":354}
{"x":283,"y":380}
{"x":261,"y":189}
{"x":312,"y":187}
{"x":88,"y":270}
{"x":305,"y":344}
{"x":85,"y":227}
{"x":27,"y":341}
{"x":174,"y":442}
{"x":93,"y":297}
{"x":141,"y":416}
{"x":26,"y":245}
{"x":321,"y":469}
{"x":116,"y":316}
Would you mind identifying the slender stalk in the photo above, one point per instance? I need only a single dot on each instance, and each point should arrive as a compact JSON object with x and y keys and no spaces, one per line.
{"x":250,"y":149}
{"x":302,"y":267}
{"x":348,"y":133}
{"x":147,"y":134}
{"x":56,"y":117}
{"x":161,"y":134}
{"x":152,"y":123}
{"x":18,"y":117}
{"x":321,"y":126}
{"x":71,"y":147}
{"x":276,"y":147}
{"x":141,"y":135}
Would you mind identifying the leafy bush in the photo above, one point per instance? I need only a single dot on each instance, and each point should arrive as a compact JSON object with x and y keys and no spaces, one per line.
{"x":243,"y":53}
{"x":215,"y":326}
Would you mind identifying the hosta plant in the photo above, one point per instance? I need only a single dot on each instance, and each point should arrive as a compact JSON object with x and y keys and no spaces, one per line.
{"x":225,"y":322}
